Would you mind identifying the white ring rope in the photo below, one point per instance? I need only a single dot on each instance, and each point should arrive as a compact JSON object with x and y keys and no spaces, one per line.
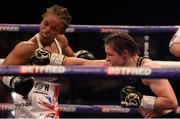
{"x":166,"y":64}
{"x":170,"y":64}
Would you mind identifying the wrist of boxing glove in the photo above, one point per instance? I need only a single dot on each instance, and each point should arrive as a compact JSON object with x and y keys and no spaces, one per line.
{"x":74,"y":54}
{"x":57,"y":59}
{"x":148,"y":103}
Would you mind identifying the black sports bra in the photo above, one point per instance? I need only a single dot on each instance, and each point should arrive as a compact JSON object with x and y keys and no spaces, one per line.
{"x":138,"y":63}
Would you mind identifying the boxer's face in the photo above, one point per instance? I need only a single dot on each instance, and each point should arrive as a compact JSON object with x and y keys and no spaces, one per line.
{"x":114,"y":58}
{"x":50,"y":26}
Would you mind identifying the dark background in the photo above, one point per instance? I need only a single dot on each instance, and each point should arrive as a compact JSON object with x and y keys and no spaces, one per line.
{"x":95,"y":12}
{"x":130,"y":12}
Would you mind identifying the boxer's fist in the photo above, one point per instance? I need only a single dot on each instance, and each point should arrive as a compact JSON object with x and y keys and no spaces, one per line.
{"x":130,"y":97}
{"x":40,"y":57}
{"x":22,"y":85}
{"x":85,"y":55}
{"x":43,"y":57}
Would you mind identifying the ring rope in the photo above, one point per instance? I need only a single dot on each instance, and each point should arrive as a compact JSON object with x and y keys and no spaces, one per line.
{"x":164,"y":64}
{"x":169,"y":64}
{"x":84,"y":108}
{"x":95,"y":108}
{"x":80,"y":108}
{"x":110,"y":71}
{"x":92,"y":28}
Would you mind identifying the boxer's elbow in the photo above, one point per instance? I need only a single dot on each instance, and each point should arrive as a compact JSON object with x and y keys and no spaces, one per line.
{"x":173,"y":102}
{"x":175,"y":50}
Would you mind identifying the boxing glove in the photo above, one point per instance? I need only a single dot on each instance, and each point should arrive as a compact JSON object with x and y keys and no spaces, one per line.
{"x":43,"y":57}
{"x":85,"y":55}
{"x":133,"y":99}
{"x":130,"y":97}
{"x":40,"y":57}
{"x":19,"y":84}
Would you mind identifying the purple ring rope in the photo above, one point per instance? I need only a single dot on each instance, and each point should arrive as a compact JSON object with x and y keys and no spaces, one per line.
{"x":81,"y":108}
{"x":91,"y":28}
{"x":96,"y":108}
{"x":85,"y":108}
{"x":49,"y":70}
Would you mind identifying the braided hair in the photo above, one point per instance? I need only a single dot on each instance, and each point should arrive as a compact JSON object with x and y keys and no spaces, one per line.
{"x":61,"y":12}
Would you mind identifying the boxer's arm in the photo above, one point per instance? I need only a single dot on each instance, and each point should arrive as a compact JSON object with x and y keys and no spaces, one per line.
{"x":84,"y":62}
{"x":43,"y":57}
{"x":20,"y":55}
{"x":175,"y":49}
{"x":166,"y":98}
{"x":66,"y":49}
{"x":174,"y":44}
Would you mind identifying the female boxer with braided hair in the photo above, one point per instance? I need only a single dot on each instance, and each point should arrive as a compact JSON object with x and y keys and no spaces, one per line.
{"x":42,"y":101}
{"x":152,"y":97}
